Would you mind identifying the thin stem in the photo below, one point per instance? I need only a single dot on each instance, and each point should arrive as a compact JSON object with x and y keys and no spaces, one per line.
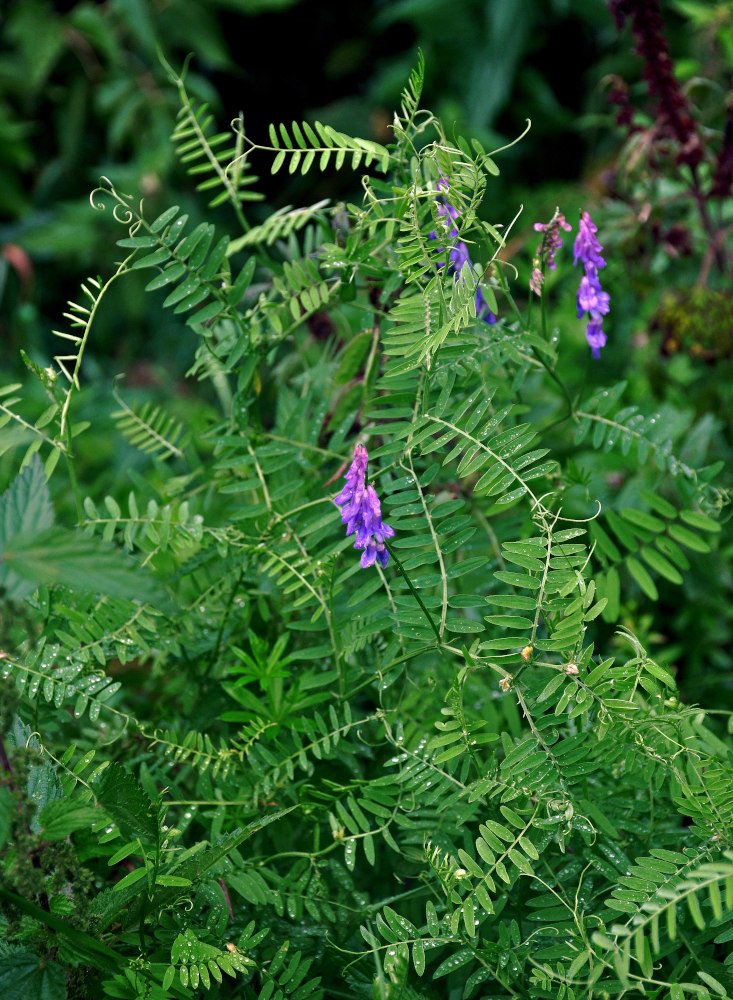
{"x":414,"y":592}
{"x":72,"y":475}
{"x":225,"y":617}
{"x":707,"y":223}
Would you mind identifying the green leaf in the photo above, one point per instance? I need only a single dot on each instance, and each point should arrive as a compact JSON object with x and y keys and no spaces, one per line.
{"x":661,"y":506}
{"x":700,"y":521}
{"x":25,"y":509}
{"x":715,"y":985}
{"x":137,"y":242}
{"x":164,"y":219}
{"x":605,"y":543}
{"x":42,"y":785}
{"x":552,"y":685}
{"x":518,"y":580}
{"x":132,"y":847}
{"x":64,"y":816}
{"x":204,"y":315}
{"x":454,"y":961}
{"x":418,"y":957}
{"x":609,"y":587}
{"x":688,"y":538}
{"x":514,"y":818}
{"x":7,"y":811}
{"x":87,"y":948}
{"x":431,"y":917}
{"x":59,"y":556}
{"x":25,"y":976}
{"x":352,"y":357}
{"x":463,"y":625}
{"x":621,"y":530}
{"x":132,"y":878}
{"x":127,"y":804}
{"x":510,"y":621}
{"x":642,"y":578}
{"x":693,"y":905}
{"x":109,"y":904}
{"x":642,"y":520}
{"x":661,"y":565}
{"x":152,"y":259}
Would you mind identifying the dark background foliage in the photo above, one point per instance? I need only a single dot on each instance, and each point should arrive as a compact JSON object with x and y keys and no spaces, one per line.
{"x":83,"y":93}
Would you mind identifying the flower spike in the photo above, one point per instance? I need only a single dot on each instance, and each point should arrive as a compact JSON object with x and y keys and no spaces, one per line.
{"x":361,"y":512}
{"x":591,"y":297}
{"x":550,"y":244}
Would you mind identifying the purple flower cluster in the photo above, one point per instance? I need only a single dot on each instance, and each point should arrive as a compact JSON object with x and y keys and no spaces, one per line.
{"x":362,"y":513}
{"x":551,"y":243}
{"x":591,"y":297}
{"x":458,"y":257}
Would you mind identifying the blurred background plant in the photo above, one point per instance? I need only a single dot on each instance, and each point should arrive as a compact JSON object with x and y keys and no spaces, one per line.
{"x":83,"y":93}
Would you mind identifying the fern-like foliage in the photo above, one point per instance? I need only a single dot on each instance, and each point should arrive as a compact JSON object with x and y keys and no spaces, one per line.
{"x":628,"y":427}
{"x":149,"y":429}
{"x":632,"y":948}
{"x":261,"y":769}
{"x":304,"y":146}
{"x":75,"y":684}
{"x":215,"y":157}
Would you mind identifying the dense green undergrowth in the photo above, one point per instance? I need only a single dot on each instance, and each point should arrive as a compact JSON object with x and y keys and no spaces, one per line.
{"x":236,"y":762}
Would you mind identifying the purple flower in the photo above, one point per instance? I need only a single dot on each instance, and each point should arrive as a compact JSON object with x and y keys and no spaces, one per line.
{"x":537,"y":278}
{"x":458,"y":256}
{"x":591,"y":297}
{"x":595,"y":336}
{"x":551,"y":238}
{"x":551,"y":243}
{"x":362,"y":513}
{"x":587,"y":248}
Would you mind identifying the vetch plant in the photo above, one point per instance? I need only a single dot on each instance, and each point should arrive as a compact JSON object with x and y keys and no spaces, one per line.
{"x":547,"y":250}
{"x":362,"y":512}
{"x":467,"y":777}
{"x":458,"y":257}
{"x":591,"y":297}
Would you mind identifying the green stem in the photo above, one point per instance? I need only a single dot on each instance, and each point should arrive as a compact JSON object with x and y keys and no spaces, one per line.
{"x":69,"y":456}
{"x":557,"y":380}
{"x":225,"y":617}
{"x":543,"y":312}
{"x":543,"y":322}
{"x":415,"y":594}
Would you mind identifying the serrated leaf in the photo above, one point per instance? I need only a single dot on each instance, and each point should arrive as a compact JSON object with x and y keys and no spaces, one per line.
{"x":26,"y":976}
{"x":25,"y":511}
{"x":59,"y":556}
{"x":64,"y":816}
{"x":124,"y":800}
